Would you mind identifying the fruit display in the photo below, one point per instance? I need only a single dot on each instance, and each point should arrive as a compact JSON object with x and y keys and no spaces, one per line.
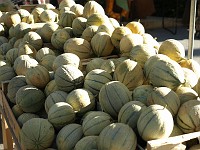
{"x":82,"y":81}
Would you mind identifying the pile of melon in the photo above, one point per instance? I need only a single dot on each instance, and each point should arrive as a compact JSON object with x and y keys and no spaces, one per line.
{"x":75,"y":95}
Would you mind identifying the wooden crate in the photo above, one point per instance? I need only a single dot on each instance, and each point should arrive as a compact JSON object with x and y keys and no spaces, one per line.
{"x":10,"y":127}
{"x":28,"y":7}
{"x":11,"y":130}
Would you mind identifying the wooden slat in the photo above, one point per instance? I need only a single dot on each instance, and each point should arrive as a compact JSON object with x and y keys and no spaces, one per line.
{"x":171,"y":142}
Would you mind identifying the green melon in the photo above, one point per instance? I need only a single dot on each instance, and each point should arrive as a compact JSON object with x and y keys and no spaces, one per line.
{"x":104,"y":46}
{"x":155,"y":122}
{"x":30,"y":99}
{"x":77,"y":9}
{"x":130,"y":113}
{"x":185,"y":94}
{"x":117,"y":136}
{"x":66,"y":59}
{"x":97,"y":19}
{"x":37,"y":76}
{"x":130,"y":73}
{"x":188,"y":116}
{"x":43,"y":52}
{"x":14,"y":85}
{"x":47,"y":62}
{"x":22,"y":63}
{"x":48,"y":15}
{"x":11,"y":55}
{"x":33,"y":39}
{"x":25,"y":117}
{"x":54,"y":97}
{"x":4,"y":48}
{"x":66,"y":3}
{"x":89,"y":32}
{"x":87,"y":143}
{"x":32,"y":137}
{"x":68,"y":77}
{"x":27,"y":49}
{"x":58,"y":38}
{"x":95,"y":63}
{"x":68,"y":136}
{"x":112,"y":96}
{"x":141,"y":93}
{"x":82,"y":100}
{"x":78,"y":26}
{"x":94,"y":122}
{"x":50,"y":88}
{"x":66,"y":19}
{"x":95,"y":79}
{"x":165,"y":97}
{"x":92,"y":7}
{"x":17,"y":111}
{"x":61,"y":114}
{"x":6,"y":73}
{"x":78,"y":46}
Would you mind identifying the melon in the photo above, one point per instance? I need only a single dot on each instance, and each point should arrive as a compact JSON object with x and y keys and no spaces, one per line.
{"x":104,"y":46}
{"x":43,"y":52}
{"x":155,"y":122}
{"x":97,"y":19}
{"x":66,"y":19}
{"x":68,"y":78}
{"x":164,"y":72}
{"x":14,"y":85}
{"x":19,"y":30}
{"x":36,"y":12}
{"x":95,"y":63}
{"x":17,"y":111}
{"x":58,"y":39}
{"x":61,"y":114}
{"x":17,"y":42}
{"x":185,"y":94}
{"x":191,"y":79}
{"x":23,"y":12}
{"x":89,"y":32}
{"x":47,"y":62}
{"x":173,"y":49}
{"x":12,"y":41}
{"x":48,"y":15}
{"x":33,"y":39}
{"x":141,"y":53}
{"x":95,"y":79}
{"x":3,"y":40}
{"x":46,"y":6}
{"x":148,"y":39}
{"x":32,"y":137}
{"x":11,"y":55}
{"x":47,"y":30}
{"x":81,"y":100}
{"x":27,"y":49}
{"x":6,"y":73}
{"x":78,"y":46}
{"x":66,"y":59}
{"x":136,"y":27}
{"x":50,"y":88}
{"x":165,"y":97}
{"x":87,"y":143}
{"x":77,"y":9}
{"x":68,"y":136}
{"x":78,"y":26}
{"x":12,"y":18}
{"x":176,"y":131}
{"x":118,"y":34}
{"x":129,"y":41}
{"x":92,"y":7}
{"x":4,"y":48}
{"x":114,"y":22}
{"x":188,"y":116}
{"x":130,"y":113}
{"x":129,"y":73}
{"x":94,"y":122}
{"x":141,"y":93}
{"x":22,"y":63}
{"x":28,"y":19}
{"x":118,"y":96}
{"x":108,"y":28}
{"x":30,"y":99}
{"x":110,"y":65}
{"x":66,"y":3}
{"x":117,"y":136}
{"x":25,"y":117}
{"x":54,"y":97}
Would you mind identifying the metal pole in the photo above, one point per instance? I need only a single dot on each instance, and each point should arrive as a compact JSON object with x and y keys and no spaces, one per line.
{"x":192,"y":28}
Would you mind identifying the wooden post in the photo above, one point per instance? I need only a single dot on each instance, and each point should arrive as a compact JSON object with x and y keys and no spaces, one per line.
{"x":7,"y":137}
